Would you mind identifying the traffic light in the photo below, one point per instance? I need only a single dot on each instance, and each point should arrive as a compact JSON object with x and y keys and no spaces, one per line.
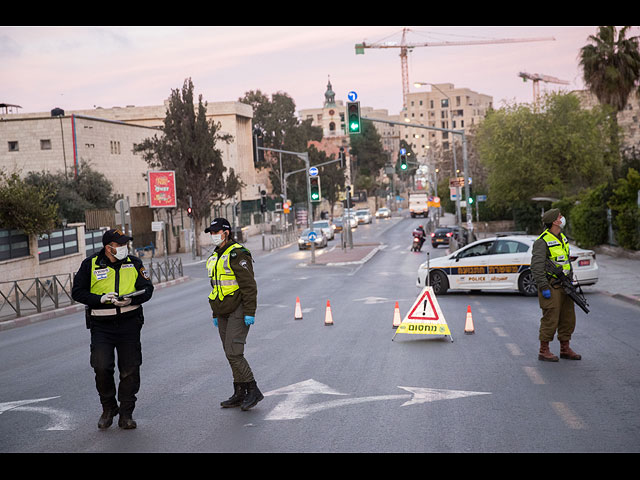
{"x":470,"y":200}
{"x":190,"y":211}
{"x":315,"y":193}
{"x":353,"y":117}
{"x":263,"y":201}
{"x":403,"y":162}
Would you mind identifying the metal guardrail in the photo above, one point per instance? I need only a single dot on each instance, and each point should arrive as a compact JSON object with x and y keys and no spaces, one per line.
{"x":34,"y":295}
{"x":165,"y":270}
{"x":280,"y":240}
{"x":19,"y":298}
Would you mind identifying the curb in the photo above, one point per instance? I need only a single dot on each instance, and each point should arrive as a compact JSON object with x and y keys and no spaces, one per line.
{"x":60,"y":312}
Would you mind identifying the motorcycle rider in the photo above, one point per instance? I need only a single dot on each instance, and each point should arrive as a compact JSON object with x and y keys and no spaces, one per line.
{"x":420,"y":234}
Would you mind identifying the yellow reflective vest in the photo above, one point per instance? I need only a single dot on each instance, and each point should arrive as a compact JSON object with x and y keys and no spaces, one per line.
{"x":103,"y":278}
{"x":558,"y":250}
{"x":223,"y":278}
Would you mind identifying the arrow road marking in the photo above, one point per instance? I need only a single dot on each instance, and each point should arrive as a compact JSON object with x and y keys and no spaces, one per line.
{"x":60,"y":420}
{"x":295,"y":405}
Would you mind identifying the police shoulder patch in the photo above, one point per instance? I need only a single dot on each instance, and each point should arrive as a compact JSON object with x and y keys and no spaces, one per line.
{"x":144,"y":273}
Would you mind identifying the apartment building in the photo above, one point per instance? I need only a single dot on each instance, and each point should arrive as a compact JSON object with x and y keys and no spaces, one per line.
{"x":444,"y":106}
{"x":105,"y":137}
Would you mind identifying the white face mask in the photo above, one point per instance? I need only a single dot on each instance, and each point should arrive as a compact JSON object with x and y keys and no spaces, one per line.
{"x":216,"y":239}
{"x":121,"y":252}
{"x":563,"y":222}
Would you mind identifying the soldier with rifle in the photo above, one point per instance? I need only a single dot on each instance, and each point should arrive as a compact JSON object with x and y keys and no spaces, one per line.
{"x":551,"y":269}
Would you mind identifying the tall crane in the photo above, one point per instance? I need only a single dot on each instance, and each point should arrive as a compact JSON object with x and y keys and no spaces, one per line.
{"x":406,"y":47}
{"x":536,"y":77}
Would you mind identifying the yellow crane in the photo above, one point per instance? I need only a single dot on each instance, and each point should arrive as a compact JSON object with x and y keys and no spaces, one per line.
{"x":406,"y":47}
{"x":536,"y":78}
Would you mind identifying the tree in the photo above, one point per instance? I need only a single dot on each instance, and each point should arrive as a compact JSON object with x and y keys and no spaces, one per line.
{"x":611,"y":66}
{"x":556,"y":153}
{"x":188,"y":145}
{"x":76,"y":194}
{"x":282,"y":130}
{"x":26,"y":207}
{"x":369,"y":155}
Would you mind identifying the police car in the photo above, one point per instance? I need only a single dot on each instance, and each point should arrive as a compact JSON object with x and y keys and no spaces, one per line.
{"x":498,"y":263}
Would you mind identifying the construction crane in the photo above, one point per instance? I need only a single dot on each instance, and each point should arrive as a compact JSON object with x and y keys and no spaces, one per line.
{"x":406,"y":47}
{"x":536,"y":77}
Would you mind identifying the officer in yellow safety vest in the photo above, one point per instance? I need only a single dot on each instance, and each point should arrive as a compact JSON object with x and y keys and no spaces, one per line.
{"x":558,"y":312}
{"x":233,"y":301}
{"x":115,"y":322}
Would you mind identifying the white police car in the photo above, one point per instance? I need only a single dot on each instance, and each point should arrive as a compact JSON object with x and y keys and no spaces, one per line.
{"x":498,"y":263}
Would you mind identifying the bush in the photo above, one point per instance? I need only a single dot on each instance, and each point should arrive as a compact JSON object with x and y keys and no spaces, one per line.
{"x":624,"y":207}
{"x":588,"y":218}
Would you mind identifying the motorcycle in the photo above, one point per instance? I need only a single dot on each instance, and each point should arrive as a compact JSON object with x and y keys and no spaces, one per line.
{"x":418,"y":240}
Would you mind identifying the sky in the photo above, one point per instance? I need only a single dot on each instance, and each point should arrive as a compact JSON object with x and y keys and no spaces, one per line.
{"x":79,"y":68}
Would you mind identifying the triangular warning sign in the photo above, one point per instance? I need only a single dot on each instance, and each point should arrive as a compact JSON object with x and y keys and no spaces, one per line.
{"x":425,"y":317}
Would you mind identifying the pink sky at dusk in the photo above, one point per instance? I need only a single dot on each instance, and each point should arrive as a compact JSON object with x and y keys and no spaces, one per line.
{"x":81,"y":67}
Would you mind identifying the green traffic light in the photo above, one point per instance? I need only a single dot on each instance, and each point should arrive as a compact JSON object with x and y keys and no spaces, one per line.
{"x":403,"y":166}
{"x":315,"y":196}
{"x":470,"y":200}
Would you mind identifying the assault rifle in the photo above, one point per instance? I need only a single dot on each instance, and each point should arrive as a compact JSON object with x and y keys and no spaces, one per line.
{"x":565,"y":282}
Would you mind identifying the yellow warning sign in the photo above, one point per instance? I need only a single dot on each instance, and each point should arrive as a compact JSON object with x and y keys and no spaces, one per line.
{"x":425,"y":317}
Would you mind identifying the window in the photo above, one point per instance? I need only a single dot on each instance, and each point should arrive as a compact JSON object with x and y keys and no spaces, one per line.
{"x":509,"y":246}
{"x":479,"y":249}
{"x":13,"y":146}
{"x":45,"y":144}
{"x":444,"y":103}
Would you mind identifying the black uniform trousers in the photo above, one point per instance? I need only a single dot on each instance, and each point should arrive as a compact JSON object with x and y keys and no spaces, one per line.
{"x":121,"y":335}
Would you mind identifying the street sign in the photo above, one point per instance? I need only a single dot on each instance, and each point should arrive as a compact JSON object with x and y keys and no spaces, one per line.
{"x":162,"y":189}
{"x":352,"y":96}
{"x":456,"y":182}
{"x":312,"y":236}
{"x":481,"y":198}
{"x":313,"y":171}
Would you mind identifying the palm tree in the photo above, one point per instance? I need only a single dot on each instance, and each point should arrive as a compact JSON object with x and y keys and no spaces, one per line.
{"x":611,"y":67}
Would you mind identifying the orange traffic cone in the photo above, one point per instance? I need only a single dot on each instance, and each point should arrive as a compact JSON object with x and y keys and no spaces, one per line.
{"x":396,"y":317}
{"x":298,"y":311}
{"x":328,"y":318}
{"x":468,"y":327}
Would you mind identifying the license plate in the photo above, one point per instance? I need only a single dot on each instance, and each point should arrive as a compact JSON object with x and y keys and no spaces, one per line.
{"x":584,"y":263}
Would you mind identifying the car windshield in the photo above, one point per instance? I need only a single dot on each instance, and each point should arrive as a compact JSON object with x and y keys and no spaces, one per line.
{"x":443,"y":230}
{"x":321,"y":224}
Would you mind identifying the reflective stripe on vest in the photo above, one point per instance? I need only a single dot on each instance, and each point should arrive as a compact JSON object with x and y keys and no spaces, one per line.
{"x":223,"y":277}
{"x":103,"y":279}
{"x":558,"y":249}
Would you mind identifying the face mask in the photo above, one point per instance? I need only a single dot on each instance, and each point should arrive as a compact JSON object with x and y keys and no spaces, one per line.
{"x":563,"y":222}
{"x":216,"y":239}
{"x":121,"y":252}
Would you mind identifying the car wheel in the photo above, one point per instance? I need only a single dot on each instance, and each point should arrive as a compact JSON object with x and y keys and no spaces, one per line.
{"x":438,"y":282}
{"x":527,"y":285}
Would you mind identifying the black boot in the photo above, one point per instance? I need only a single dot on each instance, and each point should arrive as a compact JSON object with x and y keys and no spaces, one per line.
{"x":254,"y":395}
{"x":125,"y":421}
{"x":239,"y":393}
{"x":106,"y":419}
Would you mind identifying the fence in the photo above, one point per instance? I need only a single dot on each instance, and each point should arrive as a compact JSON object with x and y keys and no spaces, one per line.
{"x":285,"y":238}
{"x":34,"y":295}
{"x":168,"y":269}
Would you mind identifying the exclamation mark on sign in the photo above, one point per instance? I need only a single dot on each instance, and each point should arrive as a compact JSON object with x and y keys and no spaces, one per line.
{"x":424,"y":308}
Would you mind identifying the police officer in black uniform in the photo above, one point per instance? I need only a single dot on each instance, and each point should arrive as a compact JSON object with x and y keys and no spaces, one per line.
{"x":115,"y":323}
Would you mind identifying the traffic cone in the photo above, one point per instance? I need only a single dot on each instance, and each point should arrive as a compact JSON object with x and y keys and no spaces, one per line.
{"x":396,"y":317}
{"x":328,"y":318}
{"x":468,"y":326}
{"x":298,"y":311}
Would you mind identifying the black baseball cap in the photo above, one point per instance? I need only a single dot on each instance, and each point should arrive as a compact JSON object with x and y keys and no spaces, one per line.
{"x":115,"y":235}
{"x":218,"y":224}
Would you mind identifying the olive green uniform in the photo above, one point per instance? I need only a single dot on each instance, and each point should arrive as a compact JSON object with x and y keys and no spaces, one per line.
{"x":558,"y":314}
{"x":231,"y":308}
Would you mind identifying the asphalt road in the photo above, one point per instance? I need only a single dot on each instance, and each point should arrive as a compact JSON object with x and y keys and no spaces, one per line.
{"x":341,"y":388}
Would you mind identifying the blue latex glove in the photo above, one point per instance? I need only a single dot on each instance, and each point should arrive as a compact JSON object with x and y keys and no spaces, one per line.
{"x":215,"y":322}
{"x":546,"y":293}
{"x":249,"y":320}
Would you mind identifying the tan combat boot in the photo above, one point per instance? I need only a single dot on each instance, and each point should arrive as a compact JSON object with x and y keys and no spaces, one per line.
{"x":566,"y":352}
{"x":545,"y":355}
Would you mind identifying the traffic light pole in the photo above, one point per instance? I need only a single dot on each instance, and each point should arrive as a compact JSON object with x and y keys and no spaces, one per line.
{"x":464,"y":155}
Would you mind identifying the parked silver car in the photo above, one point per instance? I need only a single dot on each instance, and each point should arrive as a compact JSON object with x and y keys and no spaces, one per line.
{"x":326,"y":227}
